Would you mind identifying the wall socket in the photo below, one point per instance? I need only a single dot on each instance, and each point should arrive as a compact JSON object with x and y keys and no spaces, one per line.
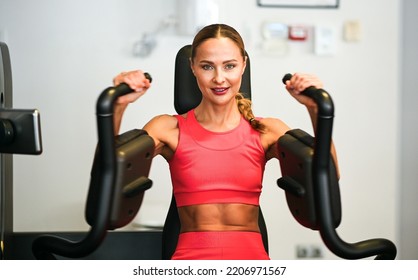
{"x":309,"y":252}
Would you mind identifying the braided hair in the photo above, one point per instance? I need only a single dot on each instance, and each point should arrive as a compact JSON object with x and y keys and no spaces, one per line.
{"x":244,"y":107}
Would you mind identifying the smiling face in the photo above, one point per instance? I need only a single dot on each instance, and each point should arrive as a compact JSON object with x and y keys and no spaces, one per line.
{"x":218,"y":65}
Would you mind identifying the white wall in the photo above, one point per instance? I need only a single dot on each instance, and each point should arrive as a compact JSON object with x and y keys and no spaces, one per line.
{"x":409,"y":151}
{"x":64,"y":53}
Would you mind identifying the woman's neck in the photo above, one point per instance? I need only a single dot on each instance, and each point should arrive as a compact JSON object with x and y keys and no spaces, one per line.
{"x":218,"y":118}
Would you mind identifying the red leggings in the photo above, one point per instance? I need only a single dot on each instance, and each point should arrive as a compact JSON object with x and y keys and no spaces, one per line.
{"x":220,"y":245}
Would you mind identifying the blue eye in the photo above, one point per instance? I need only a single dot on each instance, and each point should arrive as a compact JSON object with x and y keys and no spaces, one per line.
{"x":230,"y":66}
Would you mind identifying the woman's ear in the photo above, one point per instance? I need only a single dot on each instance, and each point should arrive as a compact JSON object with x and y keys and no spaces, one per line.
{"x":191,"y":65}
{"x":245,"y":65}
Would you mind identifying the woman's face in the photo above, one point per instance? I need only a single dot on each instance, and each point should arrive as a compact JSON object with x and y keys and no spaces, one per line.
{"x":218,"y":66}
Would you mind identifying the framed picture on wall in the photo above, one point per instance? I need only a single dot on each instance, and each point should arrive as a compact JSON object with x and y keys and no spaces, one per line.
{"x":299,"y":3}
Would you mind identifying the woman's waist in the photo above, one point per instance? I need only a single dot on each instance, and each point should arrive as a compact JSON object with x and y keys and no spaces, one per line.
{"x":217,"y":196}
{"x":219,"y":217}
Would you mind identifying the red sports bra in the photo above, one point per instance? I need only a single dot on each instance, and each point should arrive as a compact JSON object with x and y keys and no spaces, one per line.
{"x":217,"y":167}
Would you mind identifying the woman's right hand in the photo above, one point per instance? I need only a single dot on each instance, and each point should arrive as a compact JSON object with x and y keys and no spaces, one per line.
{"x":137,"y":81}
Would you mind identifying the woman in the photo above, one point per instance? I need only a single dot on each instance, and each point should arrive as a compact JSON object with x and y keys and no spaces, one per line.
{"x":218,"y":210}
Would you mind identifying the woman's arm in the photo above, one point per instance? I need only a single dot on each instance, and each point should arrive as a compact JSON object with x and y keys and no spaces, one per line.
{"x":295,"y":86}
{"x":139,"y":84}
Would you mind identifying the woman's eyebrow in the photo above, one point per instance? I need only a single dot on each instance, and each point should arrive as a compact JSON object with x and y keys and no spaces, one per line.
{"x":211,"y":62}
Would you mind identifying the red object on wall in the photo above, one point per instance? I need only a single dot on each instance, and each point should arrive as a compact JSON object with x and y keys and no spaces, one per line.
{"x":298,"y":33}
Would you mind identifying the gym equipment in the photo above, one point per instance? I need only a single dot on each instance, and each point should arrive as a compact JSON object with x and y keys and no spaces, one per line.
{"x":119,"y":178}
{"x":311,"y":184}
{"x":20,"y":133}
{"x":309,"y":180}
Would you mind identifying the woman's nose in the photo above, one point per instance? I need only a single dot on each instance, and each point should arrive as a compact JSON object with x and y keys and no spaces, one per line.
{"x":218,"y":77}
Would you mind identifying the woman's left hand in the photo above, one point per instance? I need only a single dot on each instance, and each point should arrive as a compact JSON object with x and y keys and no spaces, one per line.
{"x":298,"y":83}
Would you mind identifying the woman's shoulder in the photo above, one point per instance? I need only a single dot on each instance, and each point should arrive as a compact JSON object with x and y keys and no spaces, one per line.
{"x":275,"y":128}
{"x":274,"y":123}
{"x":163,"y":121}
{"x":164,"y":130}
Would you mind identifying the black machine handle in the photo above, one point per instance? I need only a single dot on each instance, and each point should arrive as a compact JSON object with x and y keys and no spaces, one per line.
{"x":381,"y":248}
{"x":44,"y":247}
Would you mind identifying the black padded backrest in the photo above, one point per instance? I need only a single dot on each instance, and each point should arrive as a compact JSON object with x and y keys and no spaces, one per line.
{"x":186,"y":97}
{"x":186,"y":92}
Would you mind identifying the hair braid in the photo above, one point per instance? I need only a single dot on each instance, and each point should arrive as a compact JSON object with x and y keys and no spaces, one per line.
{"x":244,"y":106}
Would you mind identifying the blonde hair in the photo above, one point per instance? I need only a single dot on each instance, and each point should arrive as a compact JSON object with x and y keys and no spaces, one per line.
{"x":244,"y":107}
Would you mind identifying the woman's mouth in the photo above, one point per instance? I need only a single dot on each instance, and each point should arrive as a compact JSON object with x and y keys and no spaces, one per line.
{"x":220,"y":90}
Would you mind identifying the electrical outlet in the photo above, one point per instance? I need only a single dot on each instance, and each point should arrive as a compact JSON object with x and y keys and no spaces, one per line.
{"x":309,"y":252}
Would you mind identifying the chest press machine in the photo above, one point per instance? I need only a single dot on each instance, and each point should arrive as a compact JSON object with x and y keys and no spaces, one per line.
{"x":121,"y":166}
